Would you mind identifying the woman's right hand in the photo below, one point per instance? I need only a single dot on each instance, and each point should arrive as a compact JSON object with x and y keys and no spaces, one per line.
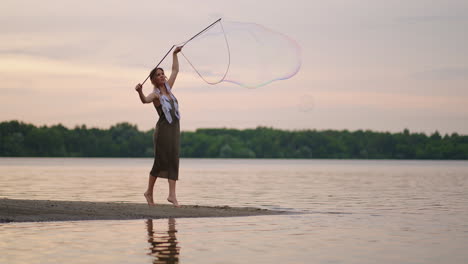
{"x":138,"y":87}
{"x":177,"y":49}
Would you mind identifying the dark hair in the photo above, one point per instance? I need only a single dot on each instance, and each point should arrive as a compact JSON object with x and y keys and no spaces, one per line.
{"x":153,"y":73}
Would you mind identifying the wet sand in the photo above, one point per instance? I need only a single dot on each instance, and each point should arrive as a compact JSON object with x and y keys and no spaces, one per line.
{"x":14,"y":210}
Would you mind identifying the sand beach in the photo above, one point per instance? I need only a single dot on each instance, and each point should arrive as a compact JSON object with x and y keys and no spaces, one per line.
{"x":15,"y":210}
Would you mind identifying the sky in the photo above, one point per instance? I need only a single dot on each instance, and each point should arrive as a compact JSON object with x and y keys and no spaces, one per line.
{"x":370,"y":64}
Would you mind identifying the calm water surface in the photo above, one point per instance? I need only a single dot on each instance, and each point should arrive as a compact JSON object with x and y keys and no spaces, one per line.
{"x":350,"y":212}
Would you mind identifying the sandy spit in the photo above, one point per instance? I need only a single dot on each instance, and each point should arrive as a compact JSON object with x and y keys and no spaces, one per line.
{"x":14,"y":210}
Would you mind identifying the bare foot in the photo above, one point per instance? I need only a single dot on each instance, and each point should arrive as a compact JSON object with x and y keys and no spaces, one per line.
{"x":173,"y":201}
{"x":149,"y":199}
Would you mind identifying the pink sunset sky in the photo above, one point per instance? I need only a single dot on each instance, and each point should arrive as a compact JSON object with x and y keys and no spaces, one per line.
{"x":369,"y":64}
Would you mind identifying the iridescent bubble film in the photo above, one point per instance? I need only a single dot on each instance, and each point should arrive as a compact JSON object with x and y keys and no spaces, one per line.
{"x":246,"y":54}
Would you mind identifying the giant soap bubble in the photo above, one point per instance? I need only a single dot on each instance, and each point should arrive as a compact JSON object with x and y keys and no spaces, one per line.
{"x":246,"y":54}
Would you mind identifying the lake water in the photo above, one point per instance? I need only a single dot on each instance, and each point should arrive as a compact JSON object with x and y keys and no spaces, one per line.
{"x":349,"y":211}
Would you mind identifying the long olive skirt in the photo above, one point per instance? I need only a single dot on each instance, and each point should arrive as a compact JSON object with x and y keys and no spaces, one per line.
{"x":166,"y":139}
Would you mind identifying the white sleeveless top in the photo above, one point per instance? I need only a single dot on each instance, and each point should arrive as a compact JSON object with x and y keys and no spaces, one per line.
{"x":166,"y":103}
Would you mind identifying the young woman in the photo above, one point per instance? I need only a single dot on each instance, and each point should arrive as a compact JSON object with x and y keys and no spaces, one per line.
{"x":166,"y":136}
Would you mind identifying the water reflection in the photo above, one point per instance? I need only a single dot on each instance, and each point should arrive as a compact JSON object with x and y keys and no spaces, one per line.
{"x":163,"y":243}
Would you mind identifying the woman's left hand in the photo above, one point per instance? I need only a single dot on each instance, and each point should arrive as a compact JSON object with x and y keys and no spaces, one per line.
{"x":178,"y":49}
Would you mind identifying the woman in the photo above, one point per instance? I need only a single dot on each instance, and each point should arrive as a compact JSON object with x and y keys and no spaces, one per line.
{"x":166,"y":136}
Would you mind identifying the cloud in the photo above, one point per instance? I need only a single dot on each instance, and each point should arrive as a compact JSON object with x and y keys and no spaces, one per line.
{"x":393,"y":102}
{"x":442,"y":74}
{"x":7,"y":91}
{"x":27,"y":65}
{"x":420,"y":19}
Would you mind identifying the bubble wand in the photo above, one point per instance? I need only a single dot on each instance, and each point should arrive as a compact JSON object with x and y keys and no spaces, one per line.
{"x":182,"y":46}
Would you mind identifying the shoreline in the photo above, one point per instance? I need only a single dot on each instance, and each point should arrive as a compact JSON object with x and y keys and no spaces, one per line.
{"x":16,"y":210}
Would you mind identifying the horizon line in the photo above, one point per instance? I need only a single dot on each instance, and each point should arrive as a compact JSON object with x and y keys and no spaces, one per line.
{"x":240,"y":129}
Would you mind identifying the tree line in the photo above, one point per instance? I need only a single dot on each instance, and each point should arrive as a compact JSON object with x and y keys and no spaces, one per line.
{"x":125,"y":140}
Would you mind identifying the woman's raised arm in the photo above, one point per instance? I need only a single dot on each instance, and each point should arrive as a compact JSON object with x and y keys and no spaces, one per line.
{"x":175,"y":67}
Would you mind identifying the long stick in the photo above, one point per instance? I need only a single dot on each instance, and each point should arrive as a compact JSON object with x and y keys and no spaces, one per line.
{"x":159,"y":63}
{"x":181,"y":46}
{"x":201,"y":31}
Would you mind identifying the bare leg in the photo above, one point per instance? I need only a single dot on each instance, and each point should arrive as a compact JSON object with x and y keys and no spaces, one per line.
{"x":172,"y":193}
{"x":149,"y":192}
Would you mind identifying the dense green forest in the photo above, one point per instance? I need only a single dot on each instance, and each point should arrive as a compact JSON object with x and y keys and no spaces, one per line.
{"x":125,"y":140}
